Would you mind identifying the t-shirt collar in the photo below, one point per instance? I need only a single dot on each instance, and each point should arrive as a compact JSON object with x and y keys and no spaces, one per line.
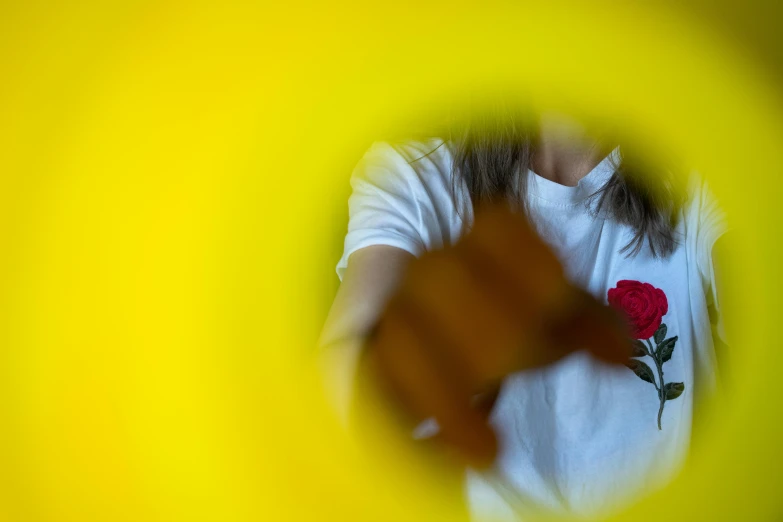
{"x":587,"y":186}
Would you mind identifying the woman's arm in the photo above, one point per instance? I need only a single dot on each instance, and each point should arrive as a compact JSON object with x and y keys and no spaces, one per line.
{"x":372,"y":276}
{"x":453,"y":323}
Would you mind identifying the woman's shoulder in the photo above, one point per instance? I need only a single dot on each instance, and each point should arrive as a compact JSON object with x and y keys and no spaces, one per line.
{"x":425,"y":156}
{"x":424,"y":149}
{"x":705,"y":221}
{"x":401,"y":197}
{"x":701,"y":206}
{"x":423,"y":165}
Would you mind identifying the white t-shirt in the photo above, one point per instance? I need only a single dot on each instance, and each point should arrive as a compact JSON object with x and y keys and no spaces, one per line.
{"x":578,"y":437}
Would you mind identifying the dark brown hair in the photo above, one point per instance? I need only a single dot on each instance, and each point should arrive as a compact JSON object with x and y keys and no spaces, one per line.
{"x":492,"y":153}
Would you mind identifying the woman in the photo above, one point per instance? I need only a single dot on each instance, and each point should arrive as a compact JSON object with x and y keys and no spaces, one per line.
{"x":479,"y":277}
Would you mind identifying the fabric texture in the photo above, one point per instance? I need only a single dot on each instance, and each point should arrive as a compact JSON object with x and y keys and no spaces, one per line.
{"x":578,"y":437}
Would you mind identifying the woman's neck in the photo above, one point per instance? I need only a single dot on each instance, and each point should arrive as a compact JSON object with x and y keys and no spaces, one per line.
{"x":564,"y":151}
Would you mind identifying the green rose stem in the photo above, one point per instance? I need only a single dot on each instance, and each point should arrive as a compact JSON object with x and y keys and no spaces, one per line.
{"x":661,"y":394}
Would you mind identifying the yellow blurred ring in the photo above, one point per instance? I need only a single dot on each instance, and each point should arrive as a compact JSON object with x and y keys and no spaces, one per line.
{"x":173,"y":178}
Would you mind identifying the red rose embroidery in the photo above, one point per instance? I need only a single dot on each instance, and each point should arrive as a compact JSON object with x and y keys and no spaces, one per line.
{"x":645,"y":306}
{"x":642,"y":303}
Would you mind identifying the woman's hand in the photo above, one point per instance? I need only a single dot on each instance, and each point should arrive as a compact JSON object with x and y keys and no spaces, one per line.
{"x":464,"y":318}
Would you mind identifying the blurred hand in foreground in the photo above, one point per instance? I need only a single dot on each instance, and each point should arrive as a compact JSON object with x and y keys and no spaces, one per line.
{"x":465,"y":317}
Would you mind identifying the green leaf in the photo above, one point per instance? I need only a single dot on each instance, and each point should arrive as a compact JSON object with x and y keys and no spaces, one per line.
{"x":638,"y":349}
{"x":673,"y":390}
{"x":644,"y":372}
{"x":666,"y":348}
{"x":660,"y":334}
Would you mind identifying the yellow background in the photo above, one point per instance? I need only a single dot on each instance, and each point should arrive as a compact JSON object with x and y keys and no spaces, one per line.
{"x":172,"y":187}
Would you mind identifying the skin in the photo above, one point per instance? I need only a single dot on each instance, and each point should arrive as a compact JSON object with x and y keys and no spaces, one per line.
{"x":566,"y":151}
{"x":434,"y":336}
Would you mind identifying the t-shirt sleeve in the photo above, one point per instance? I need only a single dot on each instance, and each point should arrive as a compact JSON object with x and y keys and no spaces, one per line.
{"x":711,"y":224}
{"x":385,"y":204}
